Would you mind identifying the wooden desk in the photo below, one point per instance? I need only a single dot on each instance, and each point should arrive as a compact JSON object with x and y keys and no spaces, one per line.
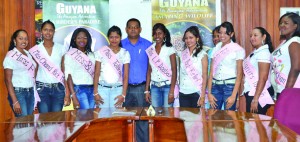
{"x":62,"y":126}
{"x":182,"y":124}
{"x":217,"y":125}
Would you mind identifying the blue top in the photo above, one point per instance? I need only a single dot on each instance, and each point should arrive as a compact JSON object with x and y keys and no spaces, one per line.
{"x":139,"y":59}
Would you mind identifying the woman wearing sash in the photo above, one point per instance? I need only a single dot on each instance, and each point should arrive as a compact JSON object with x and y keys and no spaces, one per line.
{"x":162,"y":72}
{"x":193,"y":70}
{"x":286,"y":59}
{"x":111,"y":71}
{"x":226,"y":70}
{"x":19,"y":70}
{"x":257,"y":83}
{"x":79,"y":69}
{"x":50,"y":78}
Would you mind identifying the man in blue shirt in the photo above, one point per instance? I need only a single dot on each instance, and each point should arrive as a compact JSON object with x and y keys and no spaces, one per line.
{"x":136,"y":47}
{"x":135,"y":96}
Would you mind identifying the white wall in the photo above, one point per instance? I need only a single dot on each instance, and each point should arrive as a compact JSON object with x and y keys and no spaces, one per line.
{"x":120,"y":11}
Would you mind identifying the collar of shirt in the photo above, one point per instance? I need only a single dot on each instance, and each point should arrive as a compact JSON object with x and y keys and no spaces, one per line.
{"x":127,"y":41}
{"x":264,"y":47}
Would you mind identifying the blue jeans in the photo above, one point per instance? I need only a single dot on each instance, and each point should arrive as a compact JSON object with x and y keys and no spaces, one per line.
{"x":84,"y":94}
{"x":25,"y":97}
{"x":108,"y":95}
{"x":221,"y":92}
{"x":160,"y":95}
{"x":52,"y":98}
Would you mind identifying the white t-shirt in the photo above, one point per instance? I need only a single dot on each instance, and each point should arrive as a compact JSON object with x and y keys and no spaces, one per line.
{"x":20,"y":76}
{"x":263,"y":55}
{"x":58,"y":51}
{"x":108,"y":74}
{"x":186,"y":84}
{"x":227,"y":67}
{"x":281,"y":60}
{"x":79,"y":75}
{"x":164,"y":55}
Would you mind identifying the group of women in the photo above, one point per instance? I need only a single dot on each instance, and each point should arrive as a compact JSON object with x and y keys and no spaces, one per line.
{"x":257,"y":69}
{"x":55,"y":75}
{"x":49,"y":75}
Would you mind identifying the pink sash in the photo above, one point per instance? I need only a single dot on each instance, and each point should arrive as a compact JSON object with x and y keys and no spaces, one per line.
{"x":281,"y":79}
{"x":195,"y":131}
{"x":112,"y":59}
{"x":190,"y":69}
{"x":83,"y":60}
{"x":161,"y":66}
{"x":224,"y":52}
{"x":251,"y":76}
{"x":45,"y":63}
{"x":23,"y":60}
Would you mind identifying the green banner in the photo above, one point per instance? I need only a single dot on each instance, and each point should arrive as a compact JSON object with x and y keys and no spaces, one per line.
{"x":178,"y":15}
{"x":67,"y":15}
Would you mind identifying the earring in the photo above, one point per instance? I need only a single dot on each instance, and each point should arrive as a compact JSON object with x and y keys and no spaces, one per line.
{"x":15,"y":43}
{"x":164,"y":39}
{"x":262,"y":42}
{"x":197,"y":45}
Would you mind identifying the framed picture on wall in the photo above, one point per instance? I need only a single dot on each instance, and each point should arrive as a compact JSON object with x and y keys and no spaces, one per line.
{"x":284,"y":10}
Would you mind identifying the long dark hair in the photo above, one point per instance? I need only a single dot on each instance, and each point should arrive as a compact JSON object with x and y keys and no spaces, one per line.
{"x":195,"y":31}
{"x":89,"y":39}
{"x":162,"y":27}
{"x":117,"y":30}
{"x":296,"y":20}
{"x":229,"y":30}
{"x":13,"y":37}
{"x":268,"y":38}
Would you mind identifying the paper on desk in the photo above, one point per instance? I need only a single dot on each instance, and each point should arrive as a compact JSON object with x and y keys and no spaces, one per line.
{"x":124,"y":112}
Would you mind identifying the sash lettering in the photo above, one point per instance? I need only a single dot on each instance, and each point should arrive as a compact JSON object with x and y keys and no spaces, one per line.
{"x":23,"y":60}
{"x":190,"y":69}
{"x":251,"y":76}
{"x":162,"y":67}
{"x":158,"y":63}
{"x":45,"y":63}
{"x":222,"y":53}
{"x":281,"y":78}
{"x":83,"y":60}
{"x":112,"y":59}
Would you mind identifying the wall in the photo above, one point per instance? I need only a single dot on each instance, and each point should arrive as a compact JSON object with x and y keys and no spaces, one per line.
{"x":248,"y":14}
{"x":15,"y":14}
